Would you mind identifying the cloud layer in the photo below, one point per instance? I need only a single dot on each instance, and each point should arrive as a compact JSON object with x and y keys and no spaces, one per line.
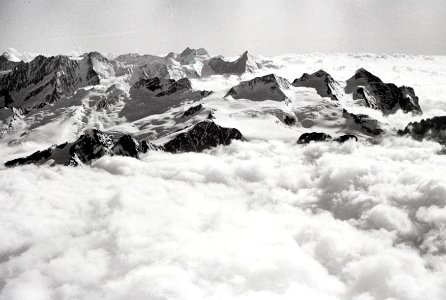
{"x":255,"y":220}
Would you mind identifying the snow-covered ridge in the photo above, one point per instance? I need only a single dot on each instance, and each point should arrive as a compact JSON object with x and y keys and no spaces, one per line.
{"x":55,"y":99}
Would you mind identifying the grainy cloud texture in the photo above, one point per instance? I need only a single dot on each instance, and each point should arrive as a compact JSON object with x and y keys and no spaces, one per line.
{"x":255,"y":220}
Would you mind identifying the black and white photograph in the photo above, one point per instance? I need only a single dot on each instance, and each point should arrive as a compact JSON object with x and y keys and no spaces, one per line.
{"x":222,"y":149}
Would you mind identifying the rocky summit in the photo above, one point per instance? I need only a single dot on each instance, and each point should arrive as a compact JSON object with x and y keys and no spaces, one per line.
{"x":188,"y":101}
{"x":202,"y":136}
{"x":322,"y":82}
{"x":376,"y":94}
{"x":268,"y":87}
{"x":430,"y":129}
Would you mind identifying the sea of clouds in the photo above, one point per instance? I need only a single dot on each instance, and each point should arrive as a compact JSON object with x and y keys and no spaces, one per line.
{"x":254,"y":220}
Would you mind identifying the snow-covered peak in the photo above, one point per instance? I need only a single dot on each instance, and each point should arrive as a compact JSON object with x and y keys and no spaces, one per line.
{"x":16,"y":56}
{"x":268,"y":87}
{"x":11,"y":57}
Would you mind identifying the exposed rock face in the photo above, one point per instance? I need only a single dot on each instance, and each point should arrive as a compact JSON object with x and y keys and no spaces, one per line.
{"x":204,"y":135}
{"x":322,"y":82}
{"x":94,"y":144}
{"x":433,"y":129}
{"x":289,"y":120}
{"x":268,"y":87}
{"x":126,"y":146}
{"x":91,"y":145}
{"x":313,"y":137}
{"x":156,"y":96}
{"x":245,"y":63}
{"x":192,"y":110}
{"x":164,"y":87}
{"x":376,"y":94}
{"x":346,"y":137}
{"x":307,"y":138}
{"x":6,"y":63}
{"x":47,"y":79}
{"x":145,"y":146}
{"x":362,"y":123}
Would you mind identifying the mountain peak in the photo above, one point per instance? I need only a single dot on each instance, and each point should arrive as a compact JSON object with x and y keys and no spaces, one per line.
{"x":245,"y":63}
{"x":322,"y":82}
{"x":10,"y":57}
{"x":372,"y":92}
{"x":268,"y":87}
{"x":366,"y":75}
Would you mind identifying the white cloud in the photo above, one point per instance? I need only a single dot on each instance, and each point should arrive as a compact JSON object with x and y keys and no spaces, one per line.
{"x":255,"y":220}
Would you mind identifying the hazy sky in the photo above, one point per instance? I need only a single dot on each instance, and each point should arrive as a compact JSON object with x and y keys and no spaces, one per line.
{"x":226,"y":27}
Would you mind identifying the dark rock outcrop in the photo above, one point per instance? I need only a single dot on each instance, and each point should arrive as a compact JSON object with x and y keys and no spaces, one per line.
{"x":289,"y":120}
{"x":322,"y":82}
{"x":94,"y":144}
{"x":346,"y":137}
{"x":431,"y":129}
{"x":145,"y":146}
{"x":204,"y":135}
{"x":164,"y":87}
{"x":313,"y":137}
{"x":91,"y":145}
{"x":376,"y":94}
{"x":362,"y":123}
{"x":192,"y":110}
{"x":268,"y":87}
{"x":126,"y":146}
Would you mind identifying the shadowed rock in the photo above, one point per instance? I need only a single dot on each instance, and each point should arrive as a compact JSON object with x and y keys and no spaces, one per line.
{"x":126,"y":146}
{"x":346,"y":137}
{"x":289,"y":120}
{"x":431,"y":129}
{"x":145,"y":146}
{"x":192,"y":110}
{"x":386,"y":97}
{"x":362,"y":123}
{"x":164,"y":87}
{"x":313,"y":137}
{"x":245,"y":63}
{"x":322,"y":82}
{"x":204,"y":135}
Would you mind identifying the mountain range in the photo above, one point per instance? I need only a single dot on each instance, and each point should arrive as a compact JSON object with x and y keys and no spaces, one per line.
{"x":83,"y":107}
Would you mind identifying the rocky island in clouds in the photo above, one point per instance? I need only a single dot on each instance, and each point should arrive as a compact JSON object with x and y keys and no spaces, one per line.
{"x":196,"y":175}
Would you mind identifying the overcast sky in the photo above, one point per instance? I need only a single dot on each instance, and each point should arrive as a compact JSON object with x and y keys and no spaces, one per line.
{"x":225,"y":27}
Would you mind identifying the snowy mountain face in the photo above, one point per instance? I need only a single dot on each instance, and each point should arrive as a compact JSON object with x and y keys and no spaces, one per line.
{"x":44,"y":80}
{"x":268,"y":87}
{"x":8,"y":62}
{"x":53,"y":100}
